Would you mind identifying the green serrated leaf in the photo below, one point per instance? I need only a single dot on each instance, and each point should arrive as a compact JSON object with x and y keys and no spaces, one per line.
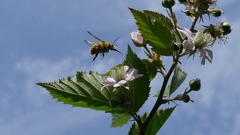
{"x":177,"y":79}
{"x":165,"y":94}
{"x":167,"y":91}
{"x":139,"y":88}
{"x":119,"y":120}
{"x":159,"y":118}
{"x":151,"y":70}
{"x":108,"y":73}
{"x":134,"y":130}
{"x":161,"y":18}
{"x":144,"y":116}
{"x":156,"y":29}
{"x":156,"y":95}
{"x":84,"y":90}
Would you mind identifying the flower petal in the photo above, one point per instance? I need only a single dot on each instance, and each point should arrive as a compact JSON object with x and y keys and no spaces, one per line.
{"x":187,"y":33}
{"x":205,"y":54}
{"x":137,"y":37}
{"x":188,"y":45}
{"x":126,"y":68}
{"x":137,"y":76}
{"x":131,"y":73}
{"x":120,"y":83}
{"x":209,"y":55}
{"x":109,"y":81}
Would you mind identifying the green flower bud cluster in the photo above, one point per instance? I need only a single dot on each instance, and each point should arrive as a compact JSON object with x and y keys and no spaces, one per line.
{"x":197,"y":8}
{"x":215,"y":12}
{"x":220,"y":30}
{"x":194,"y":85}
{"x":226,"y":27}
{"x":183,"y":97}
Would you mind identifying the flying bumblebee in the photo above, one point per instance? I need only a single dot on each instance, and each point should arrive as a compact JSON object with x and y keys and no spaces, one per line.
{"x":100,"y":47}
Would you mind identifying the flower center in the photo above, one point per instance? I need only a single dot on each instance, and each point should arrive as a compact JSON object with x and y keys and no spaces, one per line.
{"x":118,"y":74}
{"x":202,"y":39}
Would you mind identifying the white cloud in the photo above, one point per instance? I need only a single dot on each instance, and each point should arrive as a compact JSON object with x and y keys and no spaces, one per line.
{"x":46,"y":116}
{"x":49,"y":119}
{"x":45,"y":71}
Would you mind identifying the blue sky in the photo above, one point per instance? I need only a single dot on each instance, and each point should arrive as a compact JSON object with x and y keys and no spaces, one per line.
{"x":43,"y":41}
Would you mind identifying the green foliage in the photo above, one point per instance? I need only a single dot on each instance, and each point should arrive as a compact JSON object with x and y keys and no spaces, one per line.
{"x":84,"y":90}
{"x":166,"y":92}
{"x":108,"y":73}
{"x":165,"y":21}
{"x":177,"y":79}
{"x":125,"y":98}
{"x":119,"y":120}
{"x":151,"y":70}
{"x":134,"y":130}
{"x":139,"y":88}
{"x":159,"y":118}
{"x":156,"y":28}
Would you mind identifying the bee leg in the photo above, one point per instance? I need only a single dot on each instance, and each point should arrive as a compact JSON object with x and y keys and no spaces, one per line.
{"x":102,"y":56}
{"x":95,"y":55}
{"x":104,"y":49}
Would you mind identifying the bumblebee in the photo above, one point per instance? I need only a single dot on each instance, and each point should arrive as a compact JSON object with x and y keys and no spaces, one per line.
{"x":100,"y":47}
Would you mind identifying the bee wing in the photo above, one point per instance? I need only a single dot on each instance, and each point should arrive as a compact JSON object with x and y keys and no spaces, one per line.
{"x":89,"y":42}
{"x":94,"y":36}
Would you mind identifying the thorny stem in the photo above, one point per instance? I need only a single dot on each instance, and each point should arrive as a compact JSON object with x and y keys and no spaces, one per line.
{"x":159,"y":101}
{"x":136,"y":118}
{"x":163,"y":71}
{"x":174,"y":19}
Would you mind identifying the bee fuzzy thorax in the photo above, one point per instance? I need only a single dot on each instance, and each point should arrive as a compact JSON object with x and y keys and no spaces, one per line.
{"x":100,"y":47}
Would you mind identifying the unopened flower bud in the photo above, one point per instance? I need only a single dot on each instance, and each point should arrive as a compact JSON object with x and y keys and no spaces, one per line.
{"x":226,"y":27}
{"x":183,"y":97}
{"x":186,"y":98}
{"x":175,"y":46}
{"x":195,"y":84}
{"x":187,"y":12}
{"x":202,"y":7}
{"x":137,"y":39}
{"x":215,"y":12}
{"x":168,"y":3}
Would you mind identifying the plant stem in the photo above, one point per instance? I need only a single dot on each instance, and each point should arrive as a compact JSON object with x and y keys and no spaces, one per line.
{"x":159,"y":101}
{"x":194,"y":23}
{"x":149,"y":53}
{"x":174,"y":19}
{"x":136,"y":118}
